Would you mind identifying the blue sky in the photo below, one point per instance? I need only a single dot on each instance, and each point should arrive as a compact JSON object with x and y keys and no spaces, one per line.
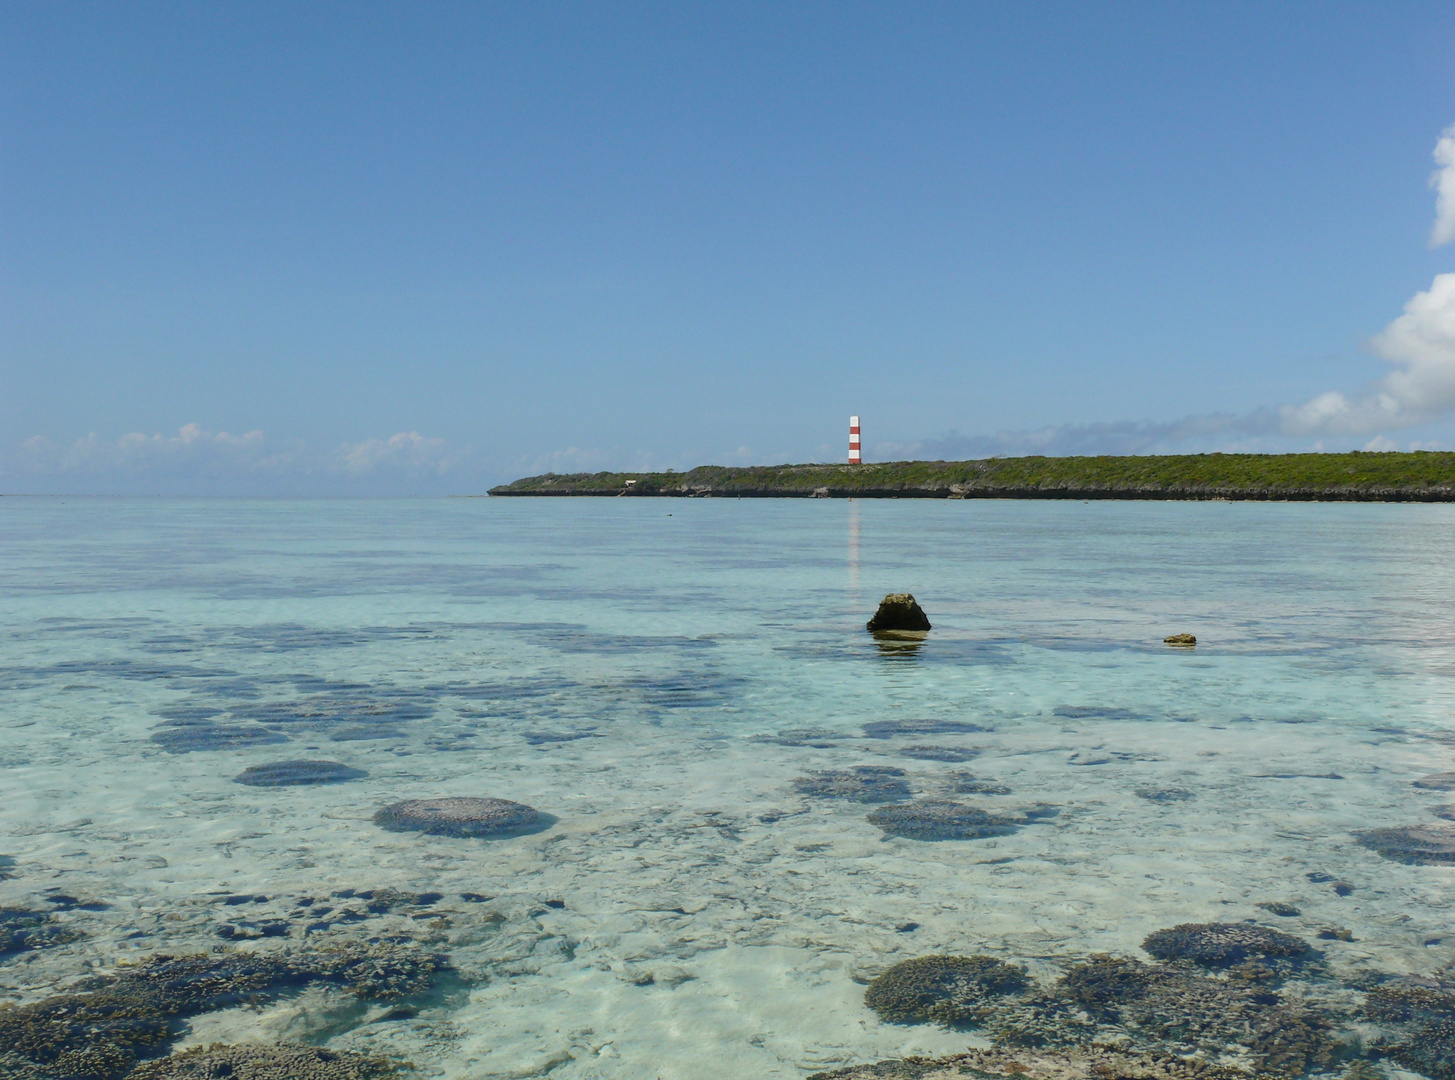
{"x":394,"y":248}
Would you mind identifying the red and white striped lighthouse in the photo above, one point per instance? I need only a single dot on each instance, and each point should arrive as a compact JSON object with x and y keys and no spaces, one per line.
{"x":853,"y":440}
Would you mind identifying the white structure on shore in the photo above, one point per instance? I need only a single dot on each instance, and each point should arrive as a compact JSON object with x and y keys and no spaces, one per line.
{"x":853,"y":440}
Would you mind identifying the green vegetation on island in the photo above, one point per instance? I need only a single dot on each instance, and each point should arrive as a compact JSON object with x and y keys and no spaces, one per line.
{"x":1423,"y":476}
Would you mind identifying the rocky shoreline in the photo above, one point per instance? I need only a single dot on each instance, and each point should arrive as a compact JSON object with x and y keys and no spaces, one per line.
{"x":1354,"y":477}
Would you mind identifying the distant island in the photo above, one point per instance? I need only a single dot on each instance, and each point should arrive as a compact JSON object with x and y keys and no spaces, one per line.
{"x":1424,"y":476}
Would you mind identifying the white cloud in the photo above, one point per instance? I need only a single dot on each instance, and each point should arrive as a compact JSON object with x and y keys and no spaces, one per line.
{"x":136,"y":451}
{"x":1421,"y":345}
{"x":407,"y":451}
{"x":1443,"y":181}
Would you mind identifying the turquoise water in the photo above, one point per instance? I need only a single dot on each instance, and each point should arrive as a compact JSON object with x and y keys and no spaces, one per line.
{"x":656,"y":675}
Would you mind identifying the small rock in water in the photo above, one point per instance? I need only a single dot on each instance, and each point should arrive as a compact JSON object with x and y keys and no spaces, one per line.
{"x":291,"y":773}
{"x":1440,"y":781}
{"x":898,"y":611}
{"x":1342,"y":888}
{"x":462,"y":817}
{"x":1180,"y":639}
{"x":1335,"y":933}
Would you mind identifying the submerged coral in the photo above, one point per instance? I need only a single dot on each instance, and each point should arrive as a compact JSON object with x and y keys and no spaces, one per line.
{"x":1164,"y":795}
{"x":1278,"y":907}
{"x":1222,"y":944}
{"x":285,"y":1061}
{"x":1075,"y":1063}
{"x":23,"y":929}
{"x":1415,"y":845}
{"x":861,"y":783}
{"x":940,"y":819}
{"x":939,"y":753}
{"x":99,"y":1030}
{"x":1426,"y":1042}
{"x":182,"y":738}
{"x":968,"y":784}
{"x":289,"y":773}
{"x":949,"y":990}
{"x":462,"y":816}
{"x":888,"y":729}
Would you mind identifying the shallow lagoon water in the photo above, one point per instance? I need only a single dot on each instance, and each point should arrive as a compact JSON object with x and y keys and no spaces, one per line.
{"x":658,"y":676}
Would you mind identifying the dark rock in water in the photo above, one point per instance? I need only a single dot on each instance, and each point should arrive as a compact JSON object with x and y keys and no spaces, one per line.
{"x":940,"y":753}
{"x":23,"y":930}
{"x":185,"y":738}
{"x":284,"y":1061}
{"x":1335,"y":933}
{"x":461,"y":816}
{"x":888,"y":729}
{"x":1440,"y":781}
{"x":1180,"y":639}
{"x":940,"y":819}
{"x":290,"y":773}
{"x":1276,"y":907}
{"x":1447,"y":811}
{"x":898,"y":611}
{"x":949,"y":990}
{"x":1168,"y":794}
{"x":1342,"y":888}
{"x":1222,"y":944}
{"x":1415,"y":845}
{"x":862,"y":783}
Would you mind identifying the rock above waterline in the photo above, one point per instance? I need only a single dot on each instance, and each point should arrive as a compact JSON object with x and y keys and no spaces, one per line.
{"x":898,"y":611}
{"x":462,"y":816}
{"x":291,"y":773}
{"x":1180,"y":639}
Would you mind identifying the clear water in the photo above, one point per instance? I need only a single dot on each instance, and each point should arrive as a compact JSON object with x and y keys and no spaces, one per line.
{"x":644,"y":670}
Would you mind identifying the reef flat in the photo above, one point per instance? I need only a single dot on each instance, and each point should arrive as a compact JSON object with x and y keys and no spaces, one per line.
{"x":1423,"y":476}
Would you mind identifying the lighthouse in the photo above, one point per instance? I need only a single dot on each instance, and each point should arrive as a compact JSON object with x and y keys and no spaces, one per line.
{"x":853,"y":440}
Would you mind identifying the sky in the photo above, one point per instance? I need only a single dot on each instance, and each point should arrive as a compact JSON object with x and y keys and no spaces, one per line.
{"x":421,"y":248}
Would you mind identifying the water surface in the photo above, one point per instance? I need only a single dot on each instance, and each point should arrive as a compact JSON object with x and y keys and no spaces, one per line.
{"x":657,"y":675}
